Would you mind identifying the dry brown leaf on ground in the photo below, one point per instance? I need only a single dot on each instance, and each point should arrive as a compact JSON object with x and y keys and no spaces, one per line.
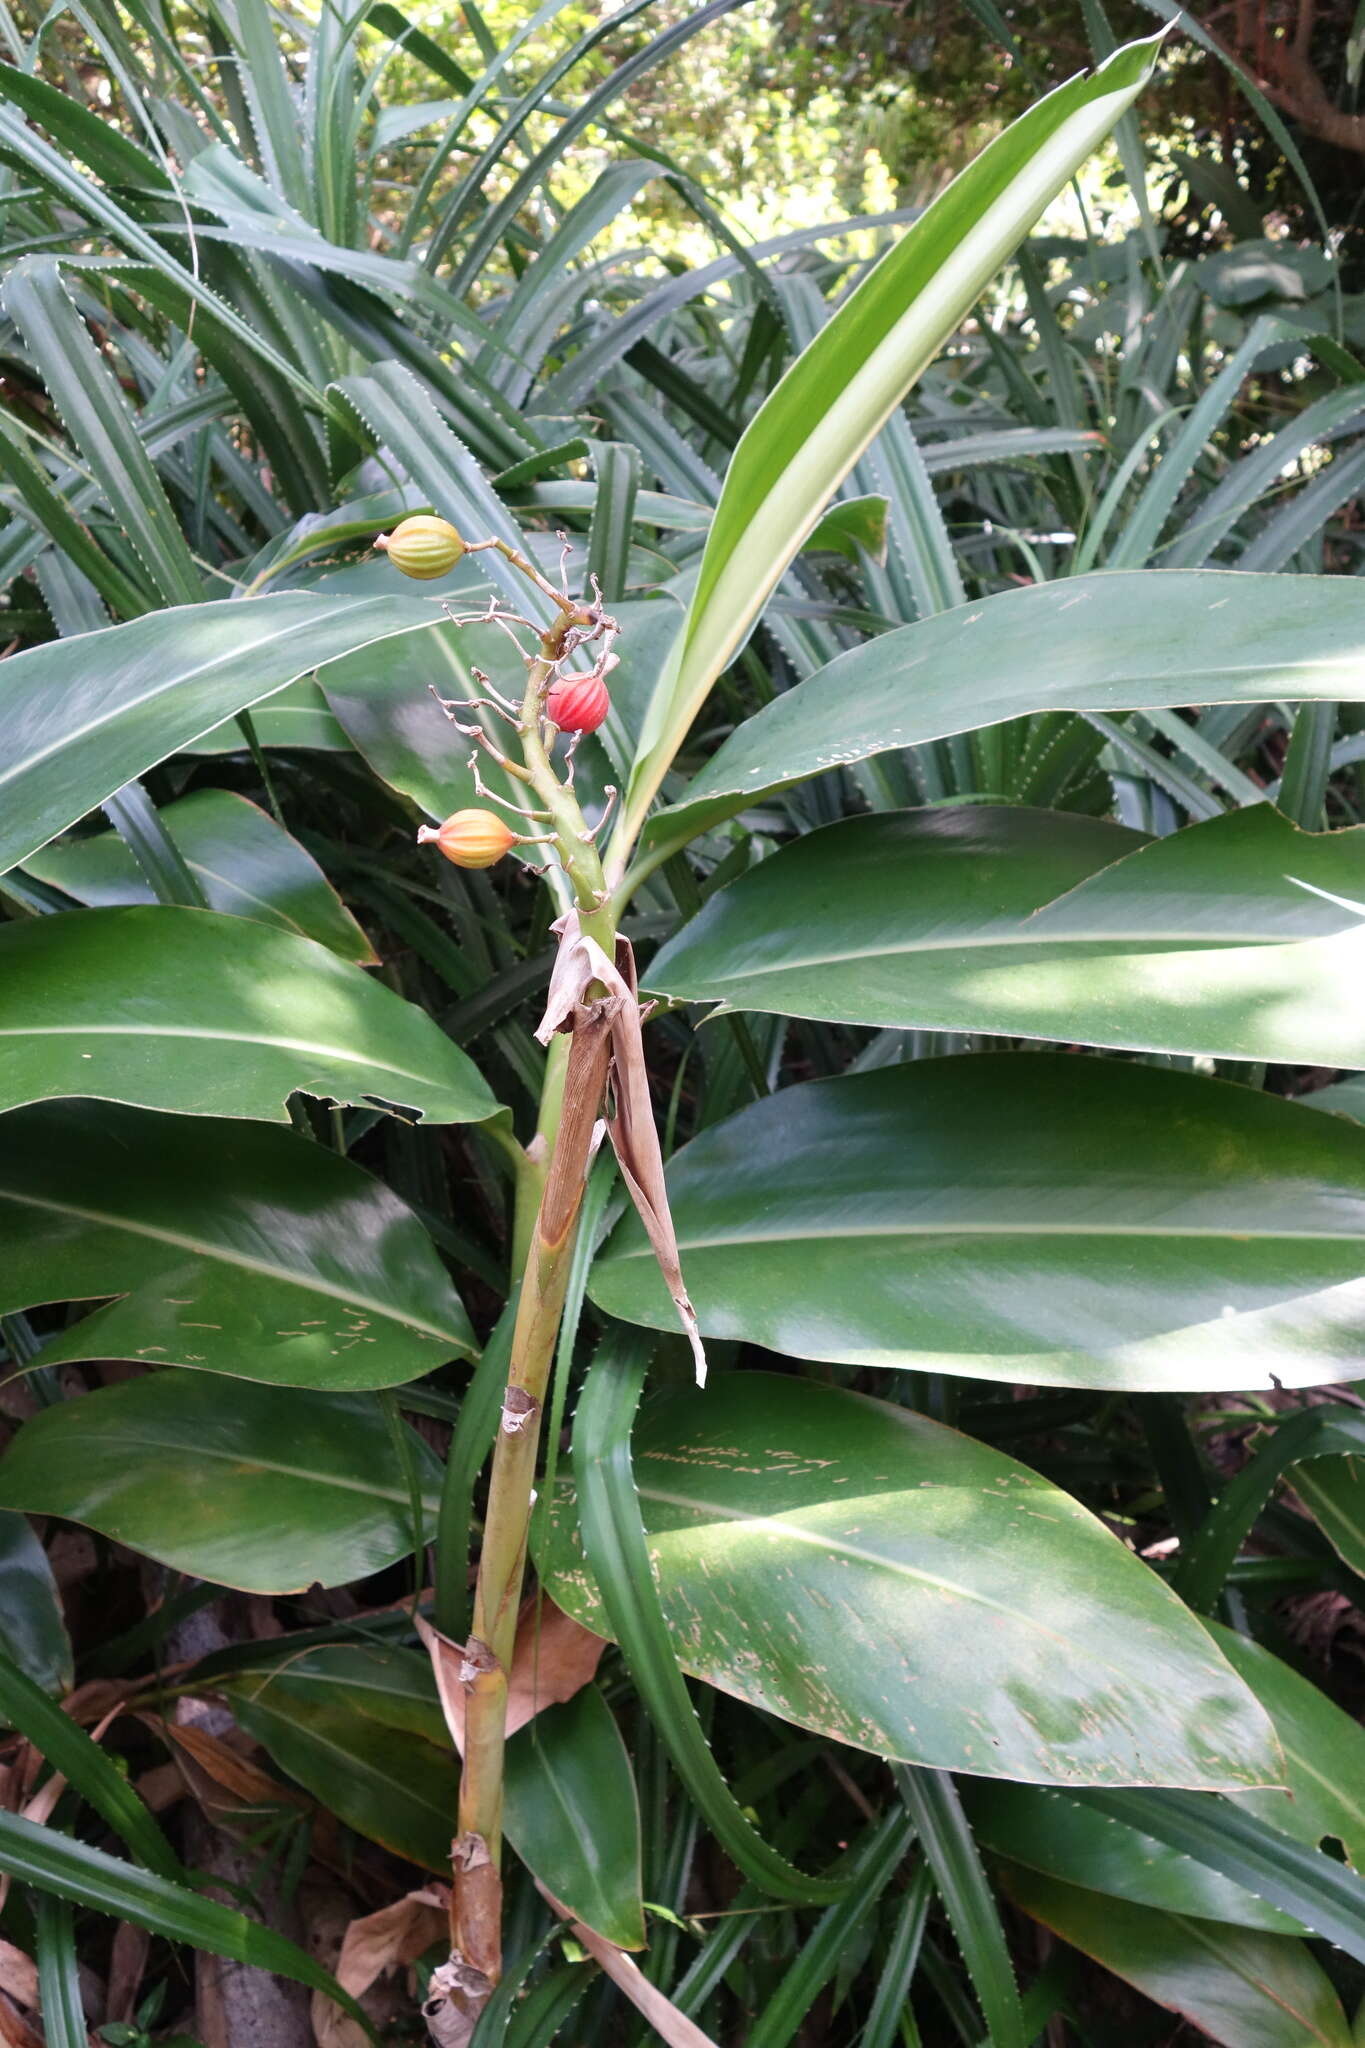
{"x":127,"y":1961}
{"x":18,"y":1975}
{"x":554,"y":1658}
{"x":210,"y":1757}
{"x":387,"y":1940}
{"x":15,"y":2031}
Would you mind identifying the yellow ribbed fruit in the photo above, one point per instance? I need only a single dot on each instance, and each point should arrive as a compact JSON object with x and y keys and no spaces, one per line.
{"x":422,"y":546}
{"x":472,"y":839}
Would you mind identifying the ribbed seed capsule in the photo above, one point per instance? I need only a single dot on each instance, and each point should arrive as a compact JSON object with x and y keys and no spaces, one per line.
{"x":578,"y":703}
{"x":422,"y":546}
{"x":472,"y":839}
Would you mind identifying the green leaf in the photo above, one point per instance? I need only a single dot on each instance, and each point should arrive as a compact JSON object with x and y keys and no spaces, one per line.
{"x":1248,"y":1990}
{"x":59,"y":1982}
{"x":1059,"y":1834}
{"x":874,"y":1576}
{"x":870,"y":1867}
{"x":66,"y":1747}
{"x":623,"y":1589}
{"x":268,"y":1489}
{"x":189,"y":1010}
{"x":572,"y":1815}
{"x":1020,"y":1216}
{"x":1307,"y":1884}
{"x":932,"y":1801}
{"x":1063,"y":1835}
{"x":245,"y":864}
{"x":1323,"y":1748}
{"x":1120,"y":641}
{"x":361,"y":1729}
{"x":72,"y":1870}
{"x":1208,"y":941}
{"x":1326,"y":1430}
{"x":231,"y":1246}
{"x":1333,"y":1491}
{"x":32,"y":1628}
{"x":87,"y":395}
{"x":84,"y":716}
{"x":296,"y":716}
{"x":832,"y":401}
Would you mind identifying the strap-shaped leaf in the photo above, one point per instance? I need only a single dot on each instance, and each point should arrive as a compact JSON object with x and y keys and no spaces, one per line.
{"x":53,"y":1862}
{"x":831,"y":403}
{"x":951,"y":1853}
{"x":67,"y":1748}
{"x":1310,"y":1886}
{"x":614,"y":1539}
{"x":1325,"y":1432}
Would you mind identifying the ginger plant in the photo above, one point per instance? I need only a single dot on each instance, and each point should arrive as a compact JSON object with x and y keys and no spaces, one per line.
{"x":601,"y":1083}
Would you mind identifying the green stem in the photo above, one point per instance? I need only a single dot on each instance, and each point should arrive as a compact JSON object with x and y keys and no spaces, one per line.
{"x":556,"y":1170}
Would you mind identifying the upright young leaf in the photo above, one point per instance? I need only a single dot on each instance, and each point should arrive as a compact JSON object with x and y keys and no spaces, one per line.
{"x":831,"y":403}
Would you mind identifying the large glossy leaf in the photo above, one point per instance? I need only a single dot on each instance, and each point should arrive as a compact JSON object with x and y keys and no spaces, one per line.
{"x":1204,"y":942}
{"x":230,"y":1246}
{"x":271,"y":1490}
{"x":1031,"y":1217}
{"x":189,"y":1010}
{"x":362,"y":1728}
{"x":865,"y":1572}
{"x":813,"y":427}
{"x":83,"y":716}
{"x":1063,"y":1835}
{"x":245,"y":864}
{"x":1115,"y":641}
{"x":1247,"y":1990}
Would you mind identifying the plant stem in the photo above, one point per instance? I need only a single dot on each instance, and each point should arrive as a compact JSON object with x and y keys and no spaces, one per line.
{"x":558,"y":1164}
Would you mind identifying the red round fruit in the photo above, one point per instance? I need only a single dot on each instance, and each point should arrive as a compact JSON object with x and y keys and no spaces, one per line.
{"x":578,"y":703}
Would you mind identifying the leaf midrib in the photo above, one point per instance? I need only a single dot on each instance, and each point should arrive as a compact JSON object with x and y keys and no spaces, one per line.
{"x":897,"y":1567}
{"x":1189,"y":943}
{"x":312,"y":1283}
{"x":185,"y":1447}
{"x":216,"y":1035}
{"x":972,"y":1227}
